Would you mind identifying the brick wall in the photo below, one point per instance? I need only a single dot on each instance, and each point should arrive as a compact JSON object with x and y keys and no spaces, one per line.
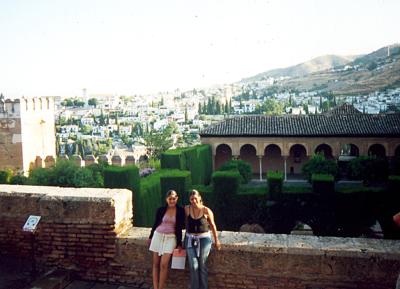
{"x":88,"y":231}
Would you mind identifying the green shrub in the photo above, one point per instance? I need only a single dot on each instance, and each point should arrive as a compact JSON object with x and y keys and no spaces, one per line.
{"x":205,"y":163}
{"x":275,"y":184}
{"x":323,"y":184}
{"x":225,"y":186}
{"x":173,"y":159}
{"x":369,"y":169}
{"x":19,"y":179}
{"x":180,"y":181}
{"x":124,"y":177}
{"x":196,"y":159}
{"x":243,"y":167}
{"x":65,"y":174}
{"x":5,"y":176}
{"x":319,"y":165}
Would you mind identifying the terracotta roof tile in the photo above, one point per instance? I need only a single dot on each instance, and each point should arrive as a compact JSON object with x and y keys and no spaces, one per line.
{"x":344,"y":121}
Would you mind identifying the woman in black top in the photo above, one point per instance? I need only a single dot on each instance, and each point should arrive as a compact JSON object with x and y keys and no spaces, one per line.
{"x":165,"y":236}
{"x":200,"y":220}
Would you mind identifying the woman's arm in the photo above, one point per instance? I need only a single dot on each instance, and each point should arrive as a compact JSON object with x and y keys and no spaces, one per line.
{"x":213,"y":227}
{"x":156,"y":221}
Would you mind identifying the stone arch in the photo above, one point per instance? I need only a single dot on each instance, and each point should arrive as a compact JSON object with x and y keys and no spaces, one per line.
{"x":297,"y":157}
{"x":377,"y":150}
{"x":324,"y":149}
{"x":248,"y":153}
{"x":272,"y":159}
{"x":77,"y":159}
{"x":90,"y":160}
{"x":117,"y":160}
{"x":350,"y":150}
{"x":130,"y":160}
{"x":223,"y":153}
{"x":105,"y":159}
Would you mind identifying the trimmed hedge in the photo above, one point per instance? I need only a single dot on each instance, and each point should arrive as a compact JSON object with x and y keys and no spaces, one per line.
{"x":244,"y":168}
{"x":369,"y":169}
{"x":196,"y":159}
{"x":323,"y":184}
{"x":226,"y":187}
{"x":124,"y":177}
{"x":319,"y":165}
{"x":275,"y":184}
{"x":180,"y":181}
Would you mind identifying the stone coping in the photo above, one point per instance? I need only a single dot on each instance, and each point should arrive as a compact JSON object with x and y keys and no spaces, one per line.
{"x":290,"y":244}
{"x":51,"y":192}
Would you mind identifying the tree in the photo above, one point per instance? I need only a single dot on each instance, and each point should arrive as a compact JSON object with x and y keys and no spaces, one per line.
{"x":93,"y":102}
{"x":158,"y":142}
{"x":319,"y":165}
{"x":273,"y":107}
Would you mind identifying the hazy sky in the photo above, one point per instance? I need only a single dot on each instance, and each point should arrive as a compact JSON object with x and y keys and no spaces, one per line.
{"x":54,"y":47}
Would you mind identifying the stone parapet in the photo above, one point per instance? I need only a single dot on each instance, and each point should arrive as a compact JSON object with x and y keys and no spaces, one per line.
{"x":250,"y":260}
{"x":78,"y":227}
{"x":89,"y":231}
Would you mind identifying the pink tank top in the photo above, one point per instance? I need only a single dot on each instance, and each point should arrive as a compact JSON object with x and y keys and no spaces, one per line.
{"x":167,"y":225}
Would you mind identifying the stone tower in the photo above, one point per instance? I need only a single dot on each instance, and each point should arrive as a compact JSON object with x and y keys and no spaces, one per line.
{"x":27,"y":133}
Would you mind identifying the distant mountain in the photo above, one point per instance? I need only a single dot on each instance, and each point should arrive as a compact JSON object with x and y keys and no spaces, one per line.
{"x":314,"y":65}
{"x":364,"y":74}
{"x":378,"y":55}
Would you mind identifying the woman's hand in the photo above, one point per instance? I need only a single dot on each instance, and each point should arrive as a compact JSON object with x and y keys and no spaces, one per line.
{"x":217,"y":245}
{"x":148,"y":242}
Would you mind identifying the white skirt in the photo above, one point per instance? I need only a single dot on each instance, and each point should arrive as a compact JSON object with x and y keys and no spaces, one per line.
{"x":162,"y":243}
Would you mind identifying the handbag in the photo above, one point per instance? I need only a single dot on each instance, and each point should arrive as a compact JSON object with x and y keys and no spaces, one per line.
{"x":178,"y":259}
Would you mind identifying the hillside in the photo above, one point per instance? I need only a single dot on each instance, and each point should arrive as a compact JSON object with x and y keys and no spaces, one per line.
{"x":362,"y":75}
{"x":314,"y":65}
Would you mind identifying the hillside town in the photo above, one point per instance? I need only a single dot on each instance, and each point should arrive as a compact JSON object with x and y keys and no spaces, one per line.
{"x":115,"y":124}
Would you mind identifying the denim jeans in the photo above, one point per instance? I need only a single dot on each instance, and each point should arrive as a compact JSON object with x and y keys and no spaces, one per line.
{"x":198,"y":265}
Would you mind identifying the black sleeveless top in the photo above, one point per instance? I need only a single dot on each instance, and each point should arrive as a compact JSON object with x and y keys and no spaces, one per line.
{"x":197,"y":226}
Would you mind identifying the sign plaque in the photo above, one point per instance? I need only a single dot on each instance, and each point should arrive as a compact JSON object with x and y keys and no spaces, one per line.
{"x":31,"y":223}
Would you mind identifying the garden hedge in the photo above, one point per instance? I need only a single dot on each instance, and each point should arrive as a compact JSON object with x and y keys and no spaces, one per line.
{"x":275,"y":184}
{"x":180,"y":181}
{"x":323,"y":184}
{"x":124,"y":177}
{"x":226,"y":187}
{"x":196,"y":159}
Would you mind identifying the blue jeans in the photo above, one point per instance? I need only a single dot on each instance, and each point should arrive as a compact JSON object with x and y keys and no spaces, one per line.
{"x":198,"y":265}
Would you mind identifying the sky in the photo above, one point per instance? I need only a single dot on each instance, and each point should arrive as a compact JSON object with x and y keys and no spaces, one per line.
{"x":127,"y":47}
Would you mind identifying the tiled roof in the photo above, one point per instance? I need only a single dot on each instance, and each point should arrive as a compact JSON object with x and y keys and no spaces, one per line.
{"x":334,"y":123}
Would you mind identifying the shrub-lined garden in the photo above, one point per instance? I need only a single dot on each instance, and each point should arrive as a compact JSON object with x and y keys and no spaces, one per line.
{"x":277,"y":207}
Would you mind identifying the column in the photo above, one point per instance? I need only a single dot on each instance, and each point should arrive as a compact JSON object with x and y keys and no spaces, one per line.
{"x":285,"y":167}
{"x":260,"y":164}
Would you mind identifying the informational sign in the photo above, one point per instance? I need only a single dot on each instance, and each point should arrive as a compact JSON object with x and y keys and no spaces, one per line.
{"x":31,"y":223}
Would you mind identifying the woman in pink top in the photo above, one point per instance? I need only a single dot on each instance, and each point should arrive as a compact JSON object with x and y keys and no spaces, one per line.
{"x":165,"y":236}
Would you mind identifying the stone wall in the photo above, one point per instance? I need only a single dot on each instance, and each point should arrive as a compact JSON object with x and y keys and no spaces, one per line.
{"x":78,"y":227}
{"x":88,"y":231}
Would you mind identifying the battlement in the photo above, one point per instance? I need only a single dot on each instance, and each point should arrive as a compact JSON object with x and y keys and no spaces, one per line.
{"x":13,"y":108}
{"x":37,"y":104}
{"x":9,"y":108}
